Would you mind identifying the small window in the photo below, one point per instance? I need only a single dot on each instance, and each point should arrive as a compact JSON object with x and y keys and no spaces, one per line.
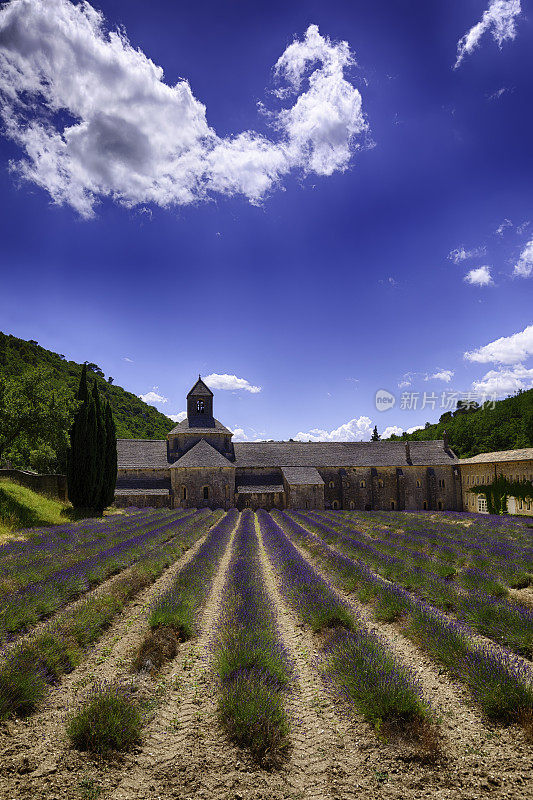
{"x":482,"y":504}
{"x":381,"y":484}
{"x":392,"y":505}
{"x":335,"y":504}
{"x":206,"y":492}
{"x":200,"y":407}
{"x":307,"y":503}
{"x":227,"y":492}
{"x":184,"y":492}
{"x":352,"y":505}
{"x":425,"y":506}
{"x":439,"y":505}
{"x":362,"y":485}
{"x":368,"y":507}
{"x":418,"y":484}
{"x":441,"y":483}
{"x":331,"y":484}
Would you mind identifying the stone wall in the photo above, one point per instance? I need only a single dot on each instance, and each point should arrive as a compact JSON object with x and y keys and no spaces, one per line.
{"x":255,"y":500}
{"x":219,"y":482}
{"x":305,"y":495}
{"x":140,"y":500}
{"x":484,"y":473}
{"x":52,"y":485}
{"x":392,"y":488}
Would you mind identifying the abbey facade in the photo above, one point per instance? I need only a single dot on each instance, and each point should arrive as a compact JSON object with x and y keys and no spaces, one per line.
{"x":199,"y":465}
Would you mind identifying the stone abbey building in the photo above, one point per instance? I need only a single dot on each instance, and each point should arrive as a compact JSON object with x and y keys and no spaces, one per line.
{"x":199,"y":465}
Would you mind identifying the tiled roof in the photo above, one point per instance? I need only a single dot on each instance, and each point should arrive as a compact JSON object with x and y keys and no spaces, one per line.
{"x":202,"y":455}
{"x":186,"y":426}
{"x":137,"y":453}
{"x":301,"y":475}
{"x":259,"y":489}
{"x":200,"y":389}
{"x":141,"y":492}
{"x":501,"y":455}
{"x":340,"y":454}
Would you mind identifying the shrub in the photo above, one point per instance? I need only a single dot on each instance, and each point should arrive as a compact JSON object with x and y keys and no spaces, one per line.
{"x":108,"y":721}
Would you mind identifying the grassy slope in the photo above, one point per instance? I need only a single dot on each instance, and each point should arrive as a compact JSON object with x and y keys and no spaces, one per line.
{"x":22,"y":508}
{"x":134,"y":419}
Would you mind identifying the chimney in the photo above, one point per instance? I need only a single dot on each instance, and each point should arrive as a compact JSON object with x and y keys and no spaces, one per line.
{"x":445,"y":438}
{"x":408,"y":453}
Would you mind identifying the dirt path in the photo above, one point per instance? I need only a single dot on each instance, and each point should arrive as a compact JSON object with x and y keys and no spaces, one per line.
{"x":34,"y":752}
{"x":479,"y":757}
{"x":326,"y":761}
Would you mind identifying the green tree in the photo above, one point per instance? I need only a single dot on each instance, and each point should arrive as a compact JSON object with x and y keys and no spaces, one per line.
{"x":110,"y":465}
{"x":99,"y":451}
{"x":375,"y":435}
{"x":34,"y":415}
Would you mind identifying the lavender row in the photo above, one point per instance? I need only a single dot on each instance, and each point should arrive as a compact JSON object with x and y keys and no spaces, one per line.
{"x":506,"y":623}
{"x":501,"y":682}
{"x":23,"y":608}
{"x":249,"y":658}
{"x":27,"y":668}
{"x":177,"y":608}
{"x":355,"y":660}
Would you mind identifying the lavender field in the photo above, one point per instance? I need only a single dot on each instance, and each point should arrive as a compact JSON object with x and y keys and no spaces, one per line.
{"x":294,"y":654}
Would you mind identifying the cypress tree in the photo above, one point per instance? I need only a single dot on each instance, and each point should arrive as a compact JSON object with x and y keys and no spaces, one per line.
{"x":110,"y":466}
{"x":78,"y":436}
{"x":375,"y":435}
{"x":99,"y":451}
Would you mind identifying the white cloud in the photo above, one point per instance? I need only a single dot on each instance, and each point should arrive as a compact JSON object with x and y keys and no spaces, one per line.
{"x":441,"y":375}
{"x":505,"y":381}
{"x":178,"y":417}
{"x":461,"y":254}
{"x":499,"y":18}
{"x":480,"y":276}
{"x":152,"y":397}
{"x":500,"y":230}
{"x":415,"y":428}
{"x":356,"y":430}
{"x":392,"y":429}
{"x":524,"y":267}
{"x":506,"y":349}
{"x":129,"y":360}
{"x":229,"y":382}
{"x":406,"y":380}
{"x":96,"y":119}
{"x":239,"y":435}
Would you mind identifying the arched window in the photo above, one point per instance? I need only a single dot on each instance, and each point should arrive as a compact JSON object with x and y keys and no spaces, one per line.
{"x":206,"y":492}
{"x":307,"y":503}
{"x":381,"y":484}
{"x":425,"y":506}
{"x":439,"y":505}
{"x":331,"y":484}
{"x":352,"y":505}
{"x":184,"y":492}
{"x":335,"y":504}
{"x":362,"y":485}
{"x":227,"y":492}
{"x":392,"y":505}
{"x":418,"y":484}
{"x":200,"y":407}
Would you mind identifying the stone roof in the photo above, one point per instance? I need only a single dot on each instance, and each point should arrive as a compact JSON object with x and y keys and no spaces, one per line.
{"x":137,"y":453}
{"x":340,"y":454}
{"x":250,"y":489}
{"x":501,"y":455}
{"x":142,"y":492}
{"x":191,"y":426}
{"x":202,"y":455}
{"x":301,"y":475}
{"x":200,"y":389}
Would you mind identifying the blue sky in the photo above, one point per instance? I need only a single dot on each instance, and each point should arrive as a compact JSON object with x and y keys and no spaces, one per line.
{"x":359,"y":219}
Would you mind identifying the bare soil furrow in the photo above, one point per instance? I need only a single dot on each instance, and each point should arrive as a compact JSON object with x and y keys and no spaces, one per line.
{"x":36,"y":750}
{"x":478,"y":756}
{"x":325,"y":762}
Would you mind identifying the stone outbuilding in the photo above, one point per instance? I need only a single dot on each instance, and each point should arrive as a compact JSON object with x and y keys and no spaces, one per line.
{"x":483,"y":469}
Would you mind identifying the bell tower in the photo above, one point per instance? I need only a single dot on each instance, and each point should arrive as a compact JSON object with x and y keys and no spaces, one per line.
{"x":200,"y":406}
